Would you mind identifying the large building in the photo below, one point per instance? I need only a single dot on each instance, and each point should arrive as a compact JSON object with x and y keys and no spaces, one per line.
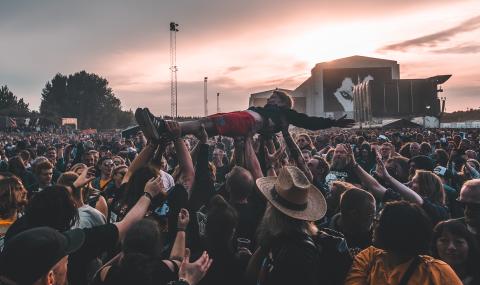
{"x":328,"y":92}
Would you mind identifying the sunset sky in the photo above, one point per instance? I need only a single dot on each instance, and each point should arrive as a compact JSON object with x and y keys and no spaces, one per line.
{"x":242,"y":46}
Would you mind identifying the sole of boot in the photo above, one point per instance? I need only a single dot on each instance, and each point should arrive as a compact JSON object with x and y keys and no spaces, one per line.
{"x":145,"y":123}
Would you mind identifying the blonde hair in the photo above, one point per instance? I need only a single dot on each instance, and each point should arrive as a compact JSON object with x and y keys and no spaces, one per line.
{"x":430,"y":186}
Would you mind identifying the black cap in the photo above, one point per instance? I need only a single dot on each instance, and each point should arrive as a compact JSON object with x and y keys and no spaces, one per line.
{"x":32,"y":253}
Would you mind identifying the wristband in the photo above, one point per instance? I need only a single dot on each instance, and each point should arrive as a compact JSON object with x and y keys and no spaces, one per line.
{"x":148,"y":195}
{"x":181,"y":229}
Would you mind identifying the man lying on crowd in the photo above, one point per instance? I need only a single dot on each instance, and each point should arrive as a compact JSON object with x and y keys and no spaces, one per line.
{"x":275,"y":116}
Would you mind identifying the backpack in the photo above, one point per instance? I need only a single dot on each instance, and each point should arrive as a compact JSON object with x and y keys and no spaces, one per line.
{"x":334,"y":259}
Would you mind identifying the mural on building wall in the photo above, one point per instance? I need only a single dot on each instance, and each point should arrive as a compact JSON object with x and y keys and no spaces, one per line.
{"x":338,"y":85}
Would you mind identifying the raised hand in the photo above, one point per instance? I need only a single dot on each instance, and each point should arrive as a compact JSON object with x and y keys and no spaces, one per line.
{"x":88,"y":174}
{"x":381,"y":170}
{"x":183,"y":219}
{"x":174,"y":129}
{"x":271,"y":159}
{"x":155,"y":187}
{"x":194,"y":272}
{"x":202,"y":135}
{"x":349,"y":151}
{"x":343,"y":122}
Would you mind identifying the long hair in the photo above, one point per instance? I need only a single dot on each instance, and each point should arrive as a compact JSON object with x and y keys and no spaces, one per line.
{"x":222,"y":220}
{"x":275,"y":223}
{"x":8,"y":203}
{"x":430,"y":186}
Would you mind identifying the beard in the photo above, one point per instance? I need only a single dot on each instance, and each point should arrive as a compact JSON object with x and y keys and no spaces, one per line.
{"x":340,"y":162}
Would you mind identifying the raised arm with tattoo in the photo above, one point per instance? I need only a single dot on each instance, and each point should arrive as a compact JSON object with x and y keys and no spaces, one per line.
{"x":407,"y":193}
{"x":153,"y":188}
{"x":296,"y":154}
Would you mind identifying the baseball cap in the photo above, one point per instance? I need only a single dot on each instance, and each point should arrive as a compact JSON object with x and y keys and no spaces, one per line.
{"x":383,"y":137}
{"x":31,"y":254}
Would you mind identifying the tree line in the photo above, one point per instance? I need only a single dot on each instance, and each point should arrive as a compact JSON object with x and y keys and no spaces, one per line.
{"x":82,"y":95}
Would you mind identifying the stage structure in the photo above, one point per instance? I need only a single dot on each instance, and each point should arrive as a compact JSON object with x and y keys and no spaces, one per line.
{"x":329,"y":91}
{"x":398,"y":98}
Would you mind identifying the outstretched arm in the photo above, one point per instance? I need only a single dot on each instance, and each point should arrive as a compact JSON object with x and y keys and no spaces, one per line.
{"x":316,"y":123}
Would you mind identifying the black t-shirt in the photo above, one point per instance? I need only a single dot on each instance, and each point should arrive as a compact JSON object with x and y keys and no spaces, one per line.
{"x":226,"y":269}
{"x":117,"y":209}
{"x":248,"y":219}
{"x":97,"y":241}
{"x":221,"y":172}
{"x":176,"y":200}
{"x":294,"y":261}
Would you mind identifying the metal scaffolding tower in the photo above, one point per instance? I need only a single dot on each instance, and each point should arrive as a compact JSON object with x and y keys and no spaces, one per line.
{"x":173,"y":68}
{"x":218,"y":102}
{"x":205,"y":97}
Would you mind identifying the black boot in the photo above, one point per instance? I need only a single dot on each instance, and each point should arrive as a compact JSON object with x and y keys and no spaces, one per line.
{"x":152,"y":127}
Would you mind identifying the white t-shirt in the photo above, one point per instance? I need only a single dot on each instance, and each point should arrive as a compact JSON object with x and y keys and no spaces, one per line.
{"x":168,"y":181}
{"x":89,"y":217}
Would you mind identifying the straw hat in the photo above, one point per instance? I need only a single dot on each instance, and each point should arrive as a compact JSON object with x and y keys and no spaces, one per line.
{"x":292,"y":194}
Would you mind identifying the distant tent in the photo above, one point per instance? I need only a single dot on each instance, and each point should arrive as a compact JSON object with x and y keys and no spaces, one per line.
{"x":399,"y":124}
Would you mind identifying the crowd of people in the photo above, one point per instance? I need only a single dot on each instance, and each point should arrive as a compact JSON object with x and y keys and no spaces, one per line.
{"x":339,"y":206}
